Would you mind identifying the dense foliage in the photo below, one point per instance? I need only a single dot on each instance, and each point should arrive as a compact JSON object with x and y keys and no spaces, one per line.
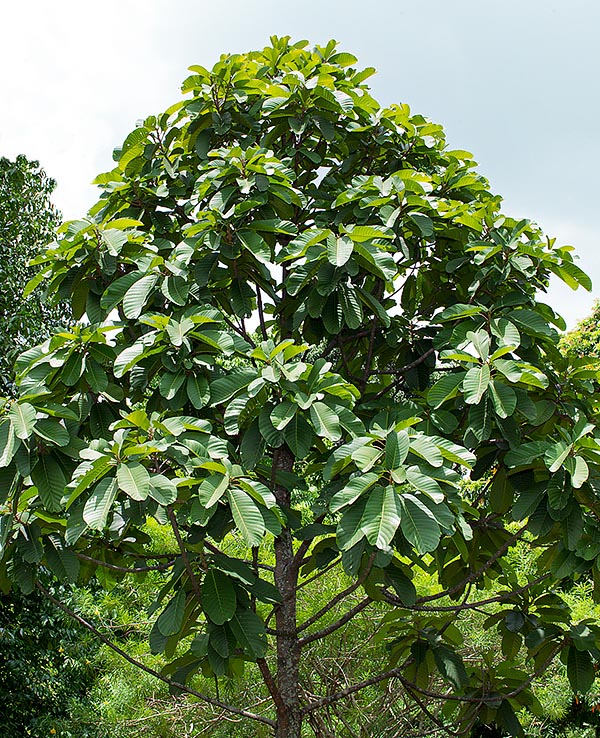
{"x":584,"y":339}
{"x":27,"y":222}
{"x":303,"y":323}
{"x":44,"y":665}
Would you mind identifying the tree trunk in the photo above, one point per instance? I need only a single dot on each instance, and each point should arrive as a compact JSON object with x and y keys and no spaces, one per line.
{"x":289,"y":718}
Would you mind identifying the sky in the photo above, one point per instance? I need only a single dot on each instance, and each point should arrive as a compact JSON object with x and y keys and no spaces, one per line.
{"x":515,"y":82}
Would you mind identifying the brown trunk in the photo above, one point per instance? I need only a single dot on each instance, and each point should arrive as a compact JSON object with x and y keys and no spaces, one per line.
{"x":289,"y":718}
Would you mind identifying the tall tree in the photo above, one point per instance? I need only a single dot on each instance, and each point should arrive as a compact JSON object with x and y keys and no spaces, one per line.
{"x":584,"y":339}
{"x":28,"y":220}
{"x":304,"y":323}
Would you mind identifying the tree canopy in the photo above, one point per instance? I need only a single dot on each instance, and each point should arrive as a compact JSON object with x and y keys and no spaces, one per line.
{"x":306,"y":326}
{"x":27,"y":222}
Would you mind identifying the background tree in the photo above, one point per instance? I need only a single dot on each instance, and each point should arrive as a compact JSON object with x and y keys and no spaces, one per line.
{"x":399,"y":347}
{"x":27,"y":223}
{"x":584,"y":339}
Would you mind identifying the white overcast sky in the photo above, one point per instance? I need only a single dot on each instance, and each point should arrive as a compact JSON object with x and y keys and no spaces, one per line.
{"x":516,"y":82}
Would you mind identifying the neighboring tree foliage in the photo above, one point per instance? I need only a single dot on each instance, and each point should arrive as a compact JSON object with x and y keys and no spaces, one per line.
{"x":44,"y":664}
{"x":303,"y":322}
{"x":27,"y":223}
{"x":584,"y":339}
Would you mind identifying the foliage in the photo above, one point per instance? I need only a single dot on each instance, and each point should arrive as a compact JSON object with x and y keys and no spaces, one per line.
{"x":584,"y":339}
{"x":399,"y":347}
{"x":27,"y":223}
{"x":45,"y":665}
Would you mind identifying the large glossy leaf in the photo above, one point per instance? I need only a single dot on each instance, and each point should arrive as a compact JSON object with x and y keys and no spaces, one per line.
{"x":134,"y":480}
{"x":339,"y":250}
{"x":49,"y":478}
{"x":475,"y":383}
{"x":445,"y":389}
{"x":325,"y":422}
{"x":381,"y":517}
{"x":135,"y":298}
{"x":580,"y":670}
{"x":8,"y":443}
{"x":247,"y":516}
{"x":299,"y":436}
{"x":170,"y":620}
{"x":22,"y":416}
{"x":419,"y":525}
{"x":100,"y":502}
{"x":218,"y":597}
{"x":249,"y":631}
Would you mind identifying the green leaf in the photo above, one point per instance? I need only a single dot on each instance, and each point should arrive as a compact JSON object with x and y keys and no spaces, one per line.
{"x":134,"y":480}
{"x":162,"y":489}
{"x":504,"y":399}
{"x":397,"y":445}
{"x":475,"y":383}
{"x":63,"y":563}
{"x":381,"y":517}
{"x":325,"y":421}
{"x":580,"y":670}
{"x":22,"y":416}
{"x":445,"y":389}
{"x":424,"y":483}
{"x":218,"y":597}
{"x":555,"y":456}
{"x":418,"y":524}
{"x":256,"y":245}
{"x":249,"y":631}
{"x":299,"y":436}
{"x":352,"y":491}
{"x":450,"y":666}
{"x":135,"y":298}
{"x":170,"y":621}
{"x":225,"y":388}
{"x":425,"y":448}
{"x":8,"y":443}
{"x":197,"y":390}
{"x":49,"y":478}
{"x":99,"y":504}
{"x":282,"y":414}
{"x":247,"y":516}
{"x":339,"y":250}
{"x":52,"y":431}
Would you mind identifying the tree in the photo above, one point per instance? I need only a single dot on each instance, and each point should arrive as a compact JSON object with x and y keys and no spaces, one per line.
{"x":27,"y":222}
{"x":584,"y":339}
{"x":306,"y":327}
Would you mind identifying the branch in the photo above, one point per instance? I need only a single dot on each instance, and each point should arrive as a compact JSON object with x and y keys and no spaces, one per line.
{"x":335,"y":626}
{"x":339,"y":597}
{"x":403,"y":369}
{"x":473,"y":577}
{"x":149,"y":670}
{"x":502,"y":597}
{"x":261,"y":315}
{"x":184,"y":555}
{"x":125,"y":569}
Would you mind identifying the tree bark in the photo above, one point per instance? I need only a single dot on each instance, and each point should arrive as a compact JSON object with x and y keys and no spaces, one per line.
{"x":289,"y":717}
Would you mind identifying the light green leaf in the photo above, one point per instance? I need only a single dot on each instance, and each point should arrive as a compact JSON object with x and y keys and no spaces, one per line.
{"x":8,"y":443}
{"x":445,"y":389}
{"x":162,"y":489}
{"x":134,"y":480}
{"x":475,"y":384}
{"x":424,"y":483}
{"x":339,"y":250}
{"x":22,"y":415}
{"x":353,"y":490}
{"x":325,"y":422}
